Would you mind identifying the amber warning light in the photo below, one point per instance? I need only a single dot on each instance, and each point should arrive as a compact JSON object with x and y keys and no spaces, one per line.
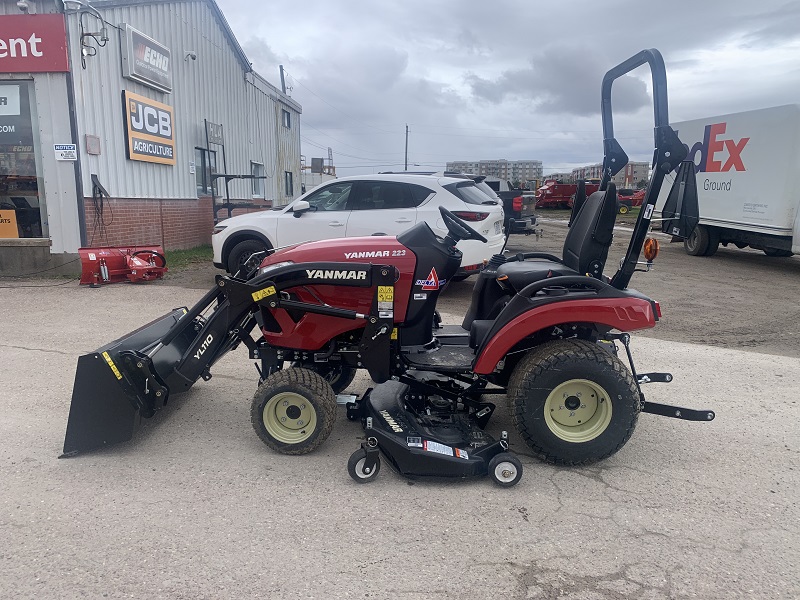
{"x":650,"y":249}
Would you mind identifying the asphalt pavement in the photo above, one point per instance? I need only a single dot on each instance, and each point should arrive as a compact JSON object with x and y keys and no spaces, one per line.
{"x":195,"y":506}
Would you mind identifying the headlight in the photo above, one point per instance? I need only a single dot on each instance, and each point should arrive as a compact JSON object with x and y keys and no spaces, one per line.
{"x":269,"y":268}
{"x":217,"y":229}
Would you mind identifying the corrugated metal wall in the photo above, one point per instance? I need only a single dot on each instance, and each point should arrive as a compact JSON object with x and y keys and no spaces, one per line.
{"x":216,"y":87}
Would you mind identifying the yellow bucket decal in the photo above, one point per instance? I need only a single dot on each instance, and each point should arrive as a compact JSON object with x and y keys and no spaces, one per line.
{"x":394,"y":333}
{"x":385,"y":293}
{"x":261,"y":294}
{"x":112,"y":365}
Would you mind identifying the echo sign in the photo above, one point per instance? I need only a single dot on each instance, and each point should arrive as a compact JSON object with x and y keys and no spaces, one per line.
{"x":150,"y":130}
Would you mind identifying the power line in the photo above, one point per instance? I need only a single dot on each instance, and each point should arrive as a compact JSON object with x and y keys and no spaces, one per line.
{"x":329,"y":104}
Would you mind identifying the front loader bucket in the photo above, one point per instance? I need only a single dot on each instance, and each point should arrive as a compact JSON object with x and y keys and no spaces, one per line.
{"x":118,"y":384}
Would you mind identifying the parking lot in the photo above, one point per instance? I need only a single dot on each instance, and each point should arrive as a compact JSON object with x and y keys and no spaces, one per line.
{"x":195,"y":506}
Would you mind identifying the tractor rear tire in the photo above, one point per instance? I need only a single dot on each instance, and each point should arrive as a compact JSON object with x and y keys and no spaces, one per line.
{"x":573,"y":402}
{"x":293,"y":411}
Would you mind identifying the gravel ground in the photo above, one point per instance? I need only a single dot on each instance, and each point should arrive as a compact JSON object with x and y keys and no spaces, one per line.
{"x":195,"y":506}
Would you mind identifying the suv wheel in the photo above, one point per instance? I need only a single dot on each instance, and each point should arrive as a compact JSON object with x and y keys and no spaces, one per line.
{"x":241,"y":252}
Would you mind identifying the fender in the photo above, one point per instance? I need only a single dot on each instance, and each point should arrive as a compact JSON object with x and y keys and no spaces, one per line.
{"x":624,"y":314}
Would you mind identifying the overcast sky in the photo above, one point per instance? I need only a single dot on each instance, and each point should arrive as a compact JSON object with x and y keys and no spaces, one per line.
{"x":515,"y":80}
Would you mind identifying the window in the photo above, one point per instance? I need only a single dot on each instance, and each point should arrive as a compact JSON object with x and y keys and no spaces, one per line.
{"x":205,"y":163}
{"x":288,"y":185}
{"x":287,"y":119}
{"x":257,"y":171}
{"x":332,"y":197}
{"x":469,"y":193}
{"x":382,"y":195}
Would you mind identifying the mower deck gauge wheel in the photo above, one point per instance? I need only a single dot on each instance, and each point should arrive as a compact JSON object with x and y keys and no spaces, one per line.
{"x":293,"y":411}
{"x":355,"y":466}
{"x":505,"y":469}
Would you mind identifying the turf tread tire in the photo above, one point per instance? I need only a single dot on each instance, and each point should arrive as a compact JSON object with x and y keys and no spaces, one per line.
{"x":314,"y":388}
{"x":556,"y":356}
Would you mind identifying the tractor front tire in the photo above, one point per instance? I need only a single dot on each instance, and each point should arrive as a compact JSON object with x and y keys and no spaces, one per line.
{"x":339,"y":375}
{"x":573,"y":402}
{"x":293,"y":411}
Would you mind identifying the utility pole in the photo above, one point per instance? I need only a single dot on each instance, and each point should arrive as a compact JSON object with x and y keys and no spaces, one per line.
{"x":406,"y":146}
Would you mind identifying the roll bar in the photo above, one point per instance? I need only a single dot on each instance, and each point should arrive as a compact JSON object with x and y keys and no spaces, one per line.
{"x":668,"y":153}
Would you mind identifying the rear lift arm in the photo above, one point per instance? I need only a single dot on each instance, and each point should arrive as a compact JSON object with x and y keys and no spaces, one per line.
{"x":655,"y":408}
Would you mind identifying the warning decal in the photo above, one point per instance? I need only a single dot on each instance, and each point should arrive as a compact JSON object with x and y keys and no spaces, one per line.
{"x":260,"y":294}
{"x":430,"y":446}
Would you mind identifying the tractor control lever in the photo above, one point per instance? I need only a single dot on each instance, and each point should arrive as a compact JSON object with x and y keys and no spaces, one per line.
{"x":381,"y":331}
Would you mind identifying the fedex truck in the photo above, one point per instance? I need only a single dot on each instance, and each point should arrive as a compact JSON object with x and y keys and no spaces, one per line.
{"x":748,"y":180}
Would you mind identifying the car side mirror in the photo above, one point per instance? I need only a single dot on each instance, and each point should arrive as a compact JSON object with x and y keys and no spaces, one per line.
{"x":300,"y":207}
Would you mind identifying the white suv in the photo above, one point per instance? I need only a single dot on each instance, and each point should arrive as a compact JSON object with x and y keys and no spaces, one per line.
{"x":385,"y":204}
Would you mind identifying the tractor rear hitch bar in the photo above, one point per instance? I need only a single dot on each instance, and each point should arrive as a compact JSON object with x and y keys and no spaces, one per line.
{"x":654,"y":408}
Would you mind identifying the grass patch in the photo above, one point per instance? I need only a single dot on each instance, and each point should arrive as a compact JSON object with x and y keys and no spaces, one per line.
{"x":180,"y":259}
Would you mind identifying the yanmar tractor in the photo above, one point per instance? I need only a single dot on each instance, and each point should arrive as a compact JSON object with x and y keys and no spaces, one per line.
{"x":541,"y":330}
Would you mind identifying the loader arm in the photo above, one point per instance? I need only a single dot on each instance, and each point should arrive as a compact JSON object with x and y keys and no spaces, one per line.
{"x":134,"y":376}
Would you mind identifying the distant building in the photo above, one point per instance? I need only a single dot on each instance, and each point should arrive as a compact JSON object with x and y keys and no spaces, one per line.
{"x":628,"y":177}
{"x":562,"y":177}
{"x":511,"y":170}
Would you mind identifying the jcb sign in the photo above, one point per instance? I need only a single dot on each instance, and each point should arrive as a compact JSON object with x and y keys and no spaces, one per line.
{"x":149,"y":126}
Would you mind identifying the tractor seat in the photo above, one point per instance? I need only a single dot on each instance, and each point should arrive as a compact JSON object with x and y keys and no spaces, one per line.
{"x":585,"y":247}
{"x":521,"y":274}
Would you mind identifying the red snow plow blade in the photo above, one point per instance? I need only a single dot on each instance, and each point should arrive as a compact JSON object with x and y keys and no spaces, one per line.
{"x":112,"y":264}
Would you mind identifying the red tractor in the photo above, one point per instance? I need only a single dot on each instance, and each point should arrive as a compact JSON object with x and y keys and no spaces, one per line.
{"x":541,"y":331}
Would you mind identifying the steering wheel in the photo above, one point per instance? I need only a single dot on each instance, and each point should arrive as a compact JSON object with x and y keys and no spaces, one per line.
{"x":458,"y":229}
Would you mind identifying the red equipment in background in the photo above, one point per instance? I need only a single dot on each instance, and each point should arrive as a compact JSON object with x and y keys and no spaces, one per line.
{"x":112,"y":264}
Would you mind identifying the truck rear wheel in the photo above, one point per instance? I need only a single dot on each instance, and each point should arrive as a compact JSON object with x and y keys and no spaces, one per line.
{"x":293,"y":411}
{"x":697,"y":243}
{"x":573,"y":403}
{"x":713,"y":241}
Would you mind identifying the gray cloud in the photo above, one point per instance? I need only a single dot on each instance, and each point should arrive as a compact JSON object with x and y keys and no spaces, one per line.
{"x":478,"y":81}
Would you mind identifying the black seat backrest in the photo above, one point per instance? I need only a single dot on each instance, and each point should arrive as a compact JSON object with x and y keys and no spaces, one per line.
{"x":589,"y":237}
{"x":577,"y":202}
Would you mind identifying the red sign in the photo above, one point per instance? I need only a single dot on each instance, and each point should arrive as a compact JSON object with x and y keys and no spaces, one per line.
{"x":33,"y":44}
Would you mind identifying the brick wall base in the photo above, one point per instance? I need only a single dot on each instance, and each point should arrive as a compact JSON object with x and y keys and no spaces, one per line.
{"x":174,"y":224}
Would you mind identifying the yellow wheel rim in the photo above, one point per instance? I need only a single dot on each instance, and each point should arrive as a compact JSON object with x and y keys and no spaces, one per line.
{"x":623,"y":209}
{"x":577,"y":411}
{"x":289,"y":418}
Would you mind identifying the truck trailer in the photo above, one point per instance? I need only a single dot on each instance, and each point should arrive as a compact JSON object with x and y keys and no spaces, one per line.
{"x":748,"y":165}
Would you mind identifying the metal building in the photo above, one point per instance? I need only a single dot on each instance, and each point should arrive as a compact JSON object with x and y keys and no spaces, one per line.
{"x":156,"y":102}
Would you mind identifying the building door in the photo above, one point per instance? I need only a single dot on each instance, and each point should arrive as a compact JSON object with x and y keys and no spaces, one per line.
{"x":20,"y":206}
